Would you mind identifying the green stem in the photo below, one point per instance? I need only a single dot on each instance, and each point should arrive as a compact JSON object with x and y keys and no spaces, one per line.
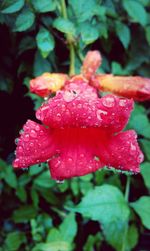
{"x":126,"y":196}
{"x":69,"y":41}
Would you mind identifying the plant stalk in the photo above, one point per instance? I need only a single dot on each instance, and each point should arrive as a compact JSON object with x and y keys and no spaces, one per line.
{"x":70,"y":41}
{"x":126,"y":196}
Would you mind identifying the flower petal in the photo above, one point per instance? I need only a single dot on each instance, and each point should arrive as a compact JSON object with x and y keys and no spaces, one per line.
{"x":135,"y":87}
{"x":35,"y":145}
{"x":79,"y":106}
{"x":47,"y":83}
{"x":91,"y":63}
{"x":77,"y":147}
{"x":122,"y":152}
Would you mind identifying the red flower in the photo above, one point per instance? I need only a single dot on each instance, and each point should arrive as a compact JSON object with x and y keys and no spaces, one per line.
{"x":135,"y":87}
{"x":81,"y":133}
{"x":47,"y":83}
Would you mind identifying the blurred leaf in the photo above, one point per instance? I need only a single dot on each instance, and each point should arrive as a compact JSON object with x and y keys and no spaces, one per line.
{"x":45,"y":42}
{"x":105,"y":204}
{"x":83,"y":10}
{"x":89,"y":33}
{"x":132,"y":237}
{"x":11,"y":6}
{"x":23,"y":214}
{"x":68,"y":228}
{"x":123,"y":32}
{"x":14,"y":241}
{"x":26,"y":43}
{"x":21,"y":193}
{"x":136,"y":10}
{"x":35,"y":197}
{"x":64,"y":25}
{"x":145,"y":171}
{"x":115,"y":231}
{"x":147,"y":30}
{"x":44,"y":180}
{"x":92,"y":242}
{"x":24,"y":20}
{"x":65,"y":246}
{"x":142,"y":208}
{"x":33,"y":170}
{"x":64,"y":236}
{"x":44,"y":5}
{"x":138,"y":115}
{"x":10,"y":177}
{"x":40,"y":66}
{"x":146,"y":147}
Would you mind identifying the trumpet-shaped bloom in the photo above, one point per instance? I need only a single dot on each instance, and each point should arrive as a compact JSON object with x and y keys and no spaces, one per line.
{"x":80,"y":133}
{"x":135,"y":87}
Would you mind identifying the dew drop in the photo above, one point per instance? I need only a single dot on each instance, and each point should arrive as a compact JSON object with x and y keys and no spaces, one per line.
{"x":26,"y":137}
{"x":140,"y":158}
{"x":108,"y":101}
{"x":33,"y":134}
{"x":122,"y":102}
{"x":79,"y":106}
{"x":20,"y":149}
{"x":37,"y":128}
{"x":58,"y":117}
{"x":99,"y":113}
{"x":68,"y":96}
{"x":82,"y":155}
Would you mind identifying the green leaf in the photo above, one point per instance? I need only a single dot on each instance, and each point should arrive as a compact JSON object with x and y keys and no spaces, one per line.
{"x":64,"y":25}
{"x":11,"y":6}
{"x":56,"y":246}
{"x":21,"y":193}
{"x":105,"y":204}
{"x":147,"y":31}
{"x":45,"y":42}
{"x":24,"y":214}
{"x":132,"y":237}
{"x":145,"y":171}
{"x":14,"y":240}
{"x":40,"y":66}
{"x":44,"y":180}
{"x":146,"y":147}
{"x":68,"y":228}
{"x":83,"y":10}
{"x":114,"y":233}
{"x":123,"y":32}
{"x":10,"y":177}
{"x":24,"y":20}
{"x":142,"y":208}
{"x":89,"y":33}
{"x":138,"y":115}
{"x":44,"y":5}
{"x":136,"y":11}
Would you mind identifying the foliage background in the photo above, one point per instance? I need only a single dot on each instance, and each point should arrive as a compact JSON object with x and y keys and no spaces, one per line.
{"x":88,"y":213}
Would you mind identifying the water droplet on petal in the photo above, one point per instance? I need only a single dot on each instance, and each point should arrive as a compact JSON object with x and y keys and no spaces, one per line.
{"x":26,"y":137}
{"x":68,"y":96}
{"x":20,"y":149}
{"x":108,"y":101}
{"x":99,"y":113}
{"x":33,"y":134}
{"x":79,"y":106}
{"x":132,"y":149}
{"x":122,"y":102}
{"x":37,"y":128}
{"x":58,"y":117}
{"x":140,"y":158}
